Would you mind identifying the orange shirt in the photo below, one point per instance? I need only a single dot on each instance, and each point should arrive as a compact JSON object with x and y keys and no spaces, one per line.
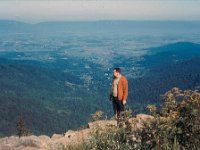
{"x":122,"y":88}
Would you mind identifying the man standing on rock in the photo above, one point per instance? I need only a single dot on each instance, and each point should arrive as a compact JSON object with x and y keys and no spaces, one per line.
{"x":119,"y":92}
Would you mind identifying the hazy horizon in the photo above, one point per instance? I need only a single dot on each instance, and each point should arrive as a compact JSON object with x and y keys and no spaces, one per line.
{"x":97,"y":10}
{"x":93,"y":21}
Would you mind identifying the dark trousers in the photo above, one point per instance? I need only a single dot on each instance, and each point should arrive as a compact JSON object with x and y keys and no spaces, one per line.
{"x":118,"y":106}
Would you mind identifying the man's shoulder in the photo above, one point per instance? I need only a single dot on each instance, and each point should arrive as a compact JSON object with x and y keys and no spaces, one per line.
{"x":123,"y":78}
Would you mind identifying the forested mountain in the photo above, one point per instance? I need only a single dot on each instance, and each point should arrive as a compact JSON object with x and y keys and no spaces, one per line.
{"x":168,"y":66}
{"x":171,"y":54}
{"x":148,"y":89}
{"x":48,"y":99}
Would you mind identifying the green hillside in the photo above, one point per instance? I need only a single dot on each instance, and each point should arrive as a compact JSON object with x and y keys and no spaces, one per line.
{"x":42,"y":96}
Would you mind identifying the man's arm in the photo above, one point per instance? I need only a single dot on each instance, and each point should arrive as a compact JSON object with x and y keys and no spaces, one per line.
{"x":125,"y":91}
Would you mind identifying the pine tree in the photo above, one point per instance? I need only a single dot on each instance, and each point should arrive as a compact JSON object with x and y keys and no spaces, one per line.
{"x":21,"y":127}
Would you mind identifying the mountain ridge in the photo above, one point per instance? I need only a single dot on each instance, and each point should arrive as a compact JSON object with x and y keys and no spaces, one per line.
{"x":111,"y":26}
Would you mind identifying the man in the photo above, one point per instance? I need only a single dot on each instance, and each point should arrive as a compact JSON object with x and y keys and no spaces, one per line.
{"x":119,"y":92}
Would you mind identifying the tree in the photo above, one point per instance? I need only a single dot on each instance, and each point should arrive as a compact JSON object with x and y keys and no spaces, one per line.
{"x":21,"y":127}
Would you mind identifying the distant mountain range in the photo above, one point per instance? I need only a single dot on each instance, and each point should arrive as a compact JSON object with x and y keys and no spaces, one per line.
{"x":111,"y":26}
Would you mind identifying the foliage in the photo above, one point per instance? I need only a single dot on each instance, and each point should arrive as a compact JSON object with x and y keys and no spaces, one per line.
{"x":97,"y":116}
{"x":182,"y":112}
{"x":176,"y":126}
{"x":108,"y":138}
{"x":21,"y":127}
{"x":83,"y":146}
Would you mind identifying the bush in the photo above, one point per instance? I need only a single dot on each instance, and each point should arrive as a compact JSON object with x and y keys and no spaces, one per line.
{"x":97,"y":116}
{"x":176,"y":125}
{"x":110,"y":138}
{"x":83,"y":146}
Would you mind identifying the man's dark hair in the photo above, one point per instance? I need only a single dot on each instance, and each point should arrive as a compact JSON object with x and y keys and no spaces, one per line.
{"x":118,"y":70}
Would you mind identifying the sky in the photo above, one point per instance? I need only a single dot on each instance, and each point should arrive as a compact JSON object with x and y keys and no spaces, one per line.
{"x":88,"y":10}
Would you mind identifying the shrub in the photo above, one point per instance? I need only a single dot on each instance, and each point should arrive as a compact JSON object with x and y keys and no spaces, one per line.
{"x":97,"y":116}
{"x":176,"y":125}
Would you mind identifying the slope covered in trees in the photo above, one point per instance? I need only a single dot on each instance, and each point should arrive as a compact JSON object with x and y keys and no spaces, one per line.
{"x":42,"y":96}
{"x":149,"y":88}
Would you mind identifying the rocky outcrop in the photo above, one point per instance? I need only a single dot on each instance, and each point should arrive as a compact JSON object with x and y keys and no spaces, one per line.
{"x":60,"y":141}
{"x":138,"y":121}
{"x":25,"y":143}
{"x":57,"y":141}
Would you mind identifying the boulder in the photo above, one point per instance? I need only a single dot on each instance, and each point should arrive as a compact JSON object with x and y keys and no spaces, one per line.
{"x":102,"y":124}
{"x":56,"y":136}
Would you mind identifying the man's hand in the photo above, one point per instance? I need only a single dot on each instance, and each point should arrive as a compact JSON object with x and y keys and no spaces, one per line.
{"x":124,"y":102}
